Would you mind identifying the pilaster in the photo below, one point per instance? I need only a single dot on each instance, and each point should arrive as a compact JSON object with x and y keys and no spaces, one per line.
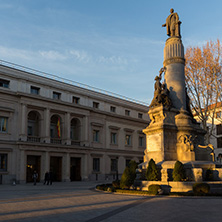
{"x":46,"y":126}
{"x":86,"y":131}
{"x":22,"y":171}
{"x":24,"y":120}
{"x":67,"y":129}
{"x":66,"y":167}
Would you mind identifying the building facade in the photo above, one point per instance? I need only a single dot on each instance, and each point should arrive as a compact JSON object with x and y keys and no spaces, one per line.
{"x":214,"y":124}
{"x":54,"y":125}
{"x":216,"y":138}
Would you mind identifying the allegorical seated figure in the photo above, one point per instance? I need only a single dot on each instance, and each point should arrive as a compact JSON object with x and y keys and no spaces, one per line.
{"x":172,"y":24}
{"x":165,"y":96}
{"x":157,"y":89}
{"x":161,"y":93}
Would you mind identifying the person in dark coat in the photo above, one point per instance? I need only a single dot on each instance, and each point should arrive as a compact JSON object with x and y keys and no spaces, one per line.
{"x":35,"y":176}
{"x":50,"y":178}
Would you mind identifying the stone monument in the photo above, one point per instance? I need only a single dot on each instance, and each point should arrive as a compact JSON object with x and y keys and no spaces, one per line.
{"x":173,"y":134}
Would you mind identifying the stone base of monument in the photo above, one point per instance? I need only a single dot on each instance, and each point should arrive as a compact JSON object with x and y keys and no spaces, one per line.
{"x":174,"y":135}
{"x":170,"y":186}
{"x":195,"y":172}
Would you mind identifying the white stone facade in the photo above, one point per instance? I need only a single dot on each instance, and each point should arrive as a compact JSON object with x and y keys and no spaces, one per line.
{"x":97,"y":131}
{"x":216,"y":138}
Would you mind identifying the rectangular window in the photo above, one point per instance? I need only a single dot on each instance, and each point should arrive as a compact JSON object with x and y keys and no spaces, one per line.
{"x":128,"y":140}
{"x":3,"y":162}
{"x":4,"y":83}
{"x":140,"y":115}
{"x":56,"y":95}
{"x":95,"y":135}
{"x":141,"y":141}
{"x":127,"y":112}
{"x":34,"y":90}
{"x":96,"y":164}
{"x":3,"y":124}
{"x":113,"y":164}
{"x":219,"y":142}
{"x":219,"y":129}
{"x":112,"y":109}
{"x":95,"y":105}
{"x":113,"y":138}
{"x":75,"y":100}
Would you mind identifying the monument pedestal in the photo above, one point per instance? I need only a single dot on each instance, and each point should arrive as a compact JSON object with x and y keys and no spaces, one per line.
{"x":171,"y":135}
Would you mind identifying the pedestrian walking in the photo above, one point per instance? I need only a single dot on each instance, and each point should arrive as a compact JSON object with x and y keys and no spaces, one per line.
{"x":35,"y":176}
{"x":50,"y":177}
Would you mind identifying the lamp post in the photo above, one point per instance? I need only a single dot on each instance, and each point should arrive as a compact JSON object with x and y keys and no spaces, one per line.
{"x":117,"y":168}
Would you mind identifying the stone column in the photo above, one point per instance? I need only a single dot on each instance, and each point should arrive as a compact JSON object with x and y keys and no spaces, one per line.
{"x":85,"y":167}
{"x":174,"y":75}
{"x":85,"y":131}
{"x":67,"y":129}
{"x":22,"y":172}
{"x":24,"y":120}
{"x":46,"y":126}
{"x":66,"y":168}
{"x":164,"y":175}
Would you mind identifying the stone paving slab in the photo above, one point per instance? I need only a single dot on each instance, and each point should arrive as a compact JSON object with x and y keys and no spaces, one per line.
{"x":79,"y":202}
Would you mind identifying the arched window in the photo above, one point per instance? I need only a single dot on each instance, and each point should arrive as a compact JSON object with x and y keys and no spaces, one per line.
{"x":56,"y":129}
{"x":33,"y":128}
{"x":75,"y":131}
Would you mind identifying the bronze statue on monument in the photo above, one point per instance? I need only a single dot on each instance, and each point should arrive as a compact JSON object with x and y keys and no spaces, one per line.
{"x":161,"y":93}
{"x":173,"y":24}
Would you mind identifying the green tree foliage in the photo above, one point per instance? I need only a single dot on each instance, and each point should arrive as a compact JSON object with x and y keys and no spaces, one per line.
{"x":125,"y":179}
{"x":154,"y":189}
{"x":129,"y":175}
{"x":179,"y":172}
{"x":152,"y":172}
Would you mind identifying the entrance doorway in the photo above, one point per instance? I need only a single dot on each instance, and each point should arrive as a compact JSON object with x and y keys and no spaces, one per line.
{"x":75,"y":169}
{"x":56,"y":168}
{"x":33,"y":164}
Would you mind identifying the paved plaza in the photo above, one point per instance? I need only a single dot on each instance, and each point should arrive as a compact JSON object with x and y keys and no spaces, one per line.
{"x":78,"y":201}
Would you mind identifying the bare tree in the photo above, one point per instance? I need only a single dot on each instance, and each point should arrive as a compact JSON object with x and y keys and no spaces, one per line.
{"x":204,"y":82}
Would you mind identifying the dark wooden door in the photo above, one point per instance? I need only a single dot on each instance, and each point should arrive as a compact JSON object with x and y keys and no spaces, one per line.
{"x":56,"y":168}
{"x":75,"y":169}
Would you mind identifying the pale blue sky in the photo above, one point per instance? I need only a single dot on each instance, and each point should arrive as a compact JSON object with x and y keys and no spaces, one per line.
{"x":116,"y":45}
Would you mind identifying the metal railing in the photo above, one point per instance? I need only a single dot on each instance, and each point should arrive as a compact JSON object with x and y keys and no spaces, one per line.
{"x":55,"y":141}
{"x":71,"y":82}
{"x":34,"y":139}
{"x":75,"y":142}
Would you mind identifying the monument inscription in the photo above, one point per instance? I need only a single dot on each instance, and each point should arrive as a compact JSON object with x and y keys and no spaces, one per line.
{"x":154,"y":142}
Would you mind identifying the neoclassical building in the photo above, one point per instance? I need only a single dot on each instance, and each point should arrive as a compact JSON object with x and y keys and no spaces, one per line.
{"x":72,"y":130}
